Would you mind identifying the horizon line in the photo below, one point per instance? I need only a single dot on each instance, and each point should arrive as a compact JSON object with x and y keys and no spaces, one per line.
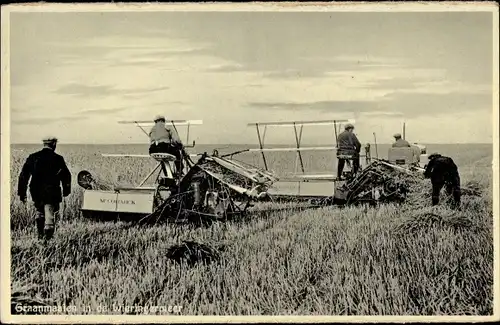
{"x":241,"y":144}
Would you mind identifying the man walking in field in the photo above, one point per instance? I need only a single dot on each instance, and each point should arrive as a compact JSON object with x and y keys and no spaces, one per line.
{"x":48,"y":171}
{"x":348,"y":149}
{"x":443,"y":172}
{"x":165,"y":139}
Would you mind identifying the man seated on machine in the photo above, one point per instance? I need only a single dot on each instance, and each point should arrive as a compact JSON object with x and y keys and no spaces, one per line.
{"x":165,"y":139}
{"x":349,"y":148}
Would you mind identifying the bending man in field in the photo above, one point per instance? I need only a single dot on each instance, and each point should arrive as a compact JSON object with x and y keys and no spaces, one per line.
{"x":47,"y":171}
{"x":348,"y":149}
{"x":165,"y":139}
{"x":443,"y":172}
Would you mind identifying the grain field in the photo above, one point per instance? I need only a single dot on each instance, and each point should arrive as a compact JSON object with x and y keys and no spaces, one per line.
{"x":387,"y":260}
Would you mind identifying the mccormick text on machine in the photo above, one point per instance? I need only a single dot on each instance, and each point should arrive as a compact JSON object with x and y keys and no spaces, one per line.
{"x":131,"y":202}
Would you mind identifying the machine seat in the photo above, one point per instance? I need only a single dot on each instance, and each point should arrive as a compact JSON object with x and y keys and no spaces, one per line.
{"x":347,"y":157}
{"x":402,"y":155}
{"x":163,"y":157}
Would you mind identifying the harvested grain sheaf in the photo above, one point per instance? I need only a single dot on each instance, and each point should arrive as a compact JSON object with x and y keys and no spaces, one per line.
{"x":472,"y":188}
{"x":420,"y":191}
{"x":421,"y":216}
{"x":422,"y":221}
{"x":192,"y":252}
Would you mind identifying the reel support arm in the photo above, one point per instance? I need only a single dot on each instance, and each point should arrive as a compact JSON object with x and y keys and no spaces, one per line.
{"x":298,"y":138}
{"x":149,"y":175}
{"x":261,"y":145}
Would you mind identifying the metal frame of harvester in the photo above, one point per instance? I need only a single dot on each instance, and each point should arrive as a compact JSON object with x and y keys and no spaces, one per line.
{"x":311,"y":186}
{"x":210,"y":188}
{"x":218,"y":187}
{"x":164,"y":165}
{"x":298,"y":127}
{"x":137,"y":199}
{"x":304,"y":180}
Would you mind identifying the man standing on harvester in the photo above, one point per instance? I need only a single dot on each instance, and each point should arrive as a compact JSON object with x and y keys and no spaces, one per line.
{"x":165,"y":139}
{"x":443,"y":172}
{"x":48,"y":171}
{"x":349,"y":148}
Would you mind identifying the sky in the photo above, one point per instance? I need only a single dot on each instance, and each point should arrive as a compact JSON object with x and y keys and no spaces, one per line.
{"x":75,"y":75}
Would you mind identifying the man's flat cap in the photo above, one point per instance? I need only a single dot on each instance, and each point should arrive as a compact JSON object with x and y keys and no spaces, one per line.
{"x":49,"y":139}
{"x":434,"y":155}
{"x":159,"y":118}
{"x":349,"y":126}
{"x":397,"y":135}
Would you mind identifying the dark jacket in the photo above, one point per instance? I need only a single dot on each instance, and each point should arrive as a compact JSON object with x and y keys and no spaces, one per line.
{"x":401,"y":143}
{"x":442,"y":169}
{"x":348,"y":144}
{"x":48,"y":171}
